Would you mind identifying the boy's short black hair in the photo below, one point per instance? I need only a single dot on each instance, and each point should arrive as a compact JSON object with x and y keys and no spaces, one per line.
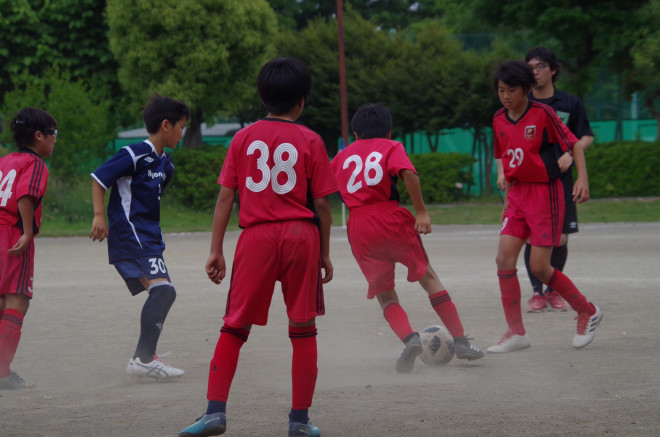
{"x":372,"y":121}
{"x":514,"y":73}
{"x":282,"y":83}
{"x":546,"y":55}
{"x":27,"y":122}
{"x":161,"y":108}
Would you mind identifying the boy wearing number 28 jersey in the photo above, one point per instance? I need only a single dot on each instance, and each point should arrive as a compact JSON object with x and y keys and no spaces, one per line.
{"x":282,"y":175}
{"x":382,"y":233}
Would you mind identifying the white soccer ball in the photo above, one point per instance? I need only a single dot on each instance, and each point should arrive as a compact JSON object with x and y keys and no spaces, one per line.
{"x":437,"y":345}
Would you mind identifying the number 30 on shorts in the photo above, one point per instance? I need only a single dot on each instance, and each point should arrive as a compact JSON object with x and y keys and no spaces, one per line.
{"x":157,"y":265}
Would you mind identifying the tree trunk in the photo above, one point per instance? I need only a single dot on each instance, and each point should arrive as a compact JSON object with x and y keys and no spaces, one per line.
{"x":650,"y":105}
{"x":193,"y":136}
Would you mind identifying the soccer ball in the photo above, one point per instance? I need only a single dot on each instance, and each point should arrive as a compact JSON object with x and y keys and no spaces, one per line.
{"x":437,"y":346}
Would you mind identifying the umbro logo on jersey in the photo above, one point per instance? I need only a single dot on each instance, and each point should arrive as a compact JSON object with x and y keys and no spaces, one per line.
{"x":149,"y":159}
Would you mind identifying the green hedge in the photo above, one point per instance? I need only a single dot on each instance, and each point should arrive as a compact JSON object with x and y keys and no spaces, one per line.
{"x":196,"y":173}
{"x":442,"y":176}
{"x":623,"y":169}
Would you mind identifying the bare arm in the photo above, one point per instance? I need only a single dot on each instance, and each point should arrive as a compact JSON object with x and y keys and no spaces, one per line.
{"x":581,"y":186}
{"x":26,"y":211}
{"x":322,"y":208}
{"x":99,"y":225}
{"x":501,"y":182}
{"x":422,"y":219}
{"x":215,"y":265}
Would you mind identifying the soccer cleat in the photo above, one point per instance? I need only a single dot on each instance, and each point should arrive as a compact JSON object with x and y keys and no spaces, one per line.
{"x":157,"y":369}
{"x":207,"y":425}
{"x":555,"y":301}
{"x":510,"y":342}
{"x":536,"y":304}
{"x":586,"y":328}
{"x":14,"y":382}
{"x":466,"y":350}
{"x":298,"y":429}
{"x":411,"y":349}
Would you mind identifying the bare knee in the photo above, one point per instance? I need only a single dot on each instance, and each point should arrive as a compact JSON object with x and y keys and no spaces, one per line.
{"x":17,"y":302}
{"x":386,"y":298}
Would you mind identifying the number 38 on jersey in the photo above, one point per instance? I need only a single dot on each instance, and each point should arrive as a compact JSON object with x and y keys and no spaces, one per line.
{"x":284,"y":157}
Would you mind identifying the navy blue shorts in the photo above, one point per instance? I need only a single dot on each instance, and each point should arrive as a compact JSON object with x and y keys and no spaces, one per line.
{"x":150,"y":267}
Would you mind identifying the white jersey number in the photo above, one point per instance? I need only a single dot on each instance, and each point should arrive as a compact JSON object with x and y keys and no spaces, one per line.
{"x":373,"y":172}
{"x":517,"y":156}
{"x":269,"y":175}
{"x":6,"y":185}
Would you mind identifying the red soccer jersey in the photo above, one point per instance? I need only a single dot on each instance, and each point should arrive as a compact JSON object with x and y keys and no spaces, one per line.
{"x":22,"y":173}
{"x":277,"y":167}
{"x":525,"y":145}
{"x":366,"y":171}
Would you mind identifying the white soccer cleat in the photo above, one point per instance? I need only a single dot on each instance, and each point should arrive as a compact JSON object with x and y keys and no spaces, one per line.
{"x":157,"y":369}
{"x":586,"y":328}
{"x":510,"y":342}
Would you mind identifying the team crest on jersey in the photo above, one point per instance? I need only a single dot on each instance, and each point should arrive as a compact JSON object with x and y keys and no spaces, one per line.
{"x":530,"y":132}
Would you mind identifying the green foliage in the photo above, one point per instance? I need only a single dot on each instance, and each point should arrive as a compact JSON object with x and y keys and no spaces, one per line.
{"x":441,"y":175}
{"x":623,"y":169}
{"x":196,"y":173}
{"x":207,"y":52}
{"x":83,"y":123}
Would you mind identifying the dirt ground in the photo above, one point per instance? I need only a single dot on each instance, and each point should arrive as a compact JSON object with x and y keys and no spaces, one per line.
{"x":83,"y":325}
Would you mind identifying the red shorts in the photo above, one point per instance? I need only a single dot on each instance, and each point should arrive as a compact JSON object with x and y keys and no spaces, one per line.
{"x":288,"y":252}
{"x":535,"y":212}
{"x":16,"y":271}
{"x":380,"y":236}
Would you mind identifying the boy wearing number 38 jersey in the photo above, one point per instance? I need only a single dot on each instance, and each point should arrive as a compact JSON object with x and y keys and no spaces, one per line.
{"x":282,"y":175}
{"x":382,"y":233}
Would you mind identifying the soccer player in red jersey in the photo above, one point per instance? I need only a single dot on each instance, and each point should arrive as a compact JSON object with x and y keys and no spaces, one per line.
{"x":524,"y":133}
{"x":382,"y":233}
{"x":281,"y":172}
{"x":23,"y":178}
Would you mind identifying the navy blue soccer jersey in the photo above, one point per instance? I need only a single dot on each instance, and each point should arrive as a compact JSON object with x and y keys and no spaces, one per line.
{"x":137,"y":176}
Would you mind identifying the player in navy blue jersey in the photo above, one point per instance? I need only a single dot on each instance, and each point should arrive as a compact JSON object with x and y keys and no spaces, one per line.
{"x":136,"y":177}
{"x":571,"y":112}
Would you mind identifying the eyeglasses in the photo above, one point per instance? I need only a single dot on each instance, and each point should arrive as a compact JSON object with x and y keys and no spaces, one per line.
{"x":540,"y":66}
{"x":52,"y":132}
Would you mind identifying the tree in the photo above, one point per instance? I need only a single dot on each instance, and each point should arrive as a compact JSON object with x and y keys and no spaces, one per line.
{"x":645,"y":72}
{"x":207,"y":52}
{"x":67,"y":34}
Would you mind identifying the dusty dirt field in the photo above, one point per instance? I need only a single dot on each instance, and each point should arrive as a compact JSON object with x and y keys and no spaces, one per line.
{"x":83,"y":325}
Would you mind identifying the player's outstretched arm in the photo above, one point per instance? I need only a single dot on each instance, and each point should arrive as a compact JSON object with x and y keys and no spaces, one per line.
{"x":99,"y":225}
{"x":26,"y":210}
{"x":581,"y":186}
{"x":422,"y":218}
{"x":322,"y":208}
{"x":215,"y":265}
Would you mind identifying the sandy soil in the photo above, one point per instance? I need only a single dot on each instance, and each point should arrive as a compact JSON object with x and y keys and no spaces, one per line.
{"x":83,"y":325}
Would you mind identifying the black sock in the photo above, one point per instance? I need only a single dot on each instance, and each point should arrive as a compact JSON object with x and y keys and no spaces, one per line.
{"x":299,"y":416}
{"x":154,"y":312}
{"x":216,"y":407}
{"x":537,"y":285}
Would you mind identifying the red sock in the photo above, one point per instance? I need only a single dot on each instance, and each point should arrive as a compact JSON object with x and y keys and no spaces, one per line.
{"x":303,"y":366}
{"x":398,"y":319}
{"x":11,"y":322}
{"x":565,"y":287}
{"x":510,"y":289}
{"x":224,"y":362}
{"x":443,"y":305}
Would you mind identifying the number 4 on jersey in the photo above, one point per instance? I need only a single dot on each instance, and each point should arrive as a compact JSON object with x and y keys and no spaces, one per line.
{"x":6,"y":185}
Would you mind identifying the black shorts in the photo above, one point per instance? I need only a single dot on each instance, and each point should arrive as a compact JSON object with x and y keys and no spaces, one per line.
{"x":570,"y":214}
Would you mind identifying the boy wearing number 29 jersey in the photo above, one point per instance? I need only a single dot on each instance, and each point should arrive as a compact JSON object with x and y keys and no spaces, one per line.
{"x":282,"y":175}
{"x":534,"y":201}
{"x":382,"y":233}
